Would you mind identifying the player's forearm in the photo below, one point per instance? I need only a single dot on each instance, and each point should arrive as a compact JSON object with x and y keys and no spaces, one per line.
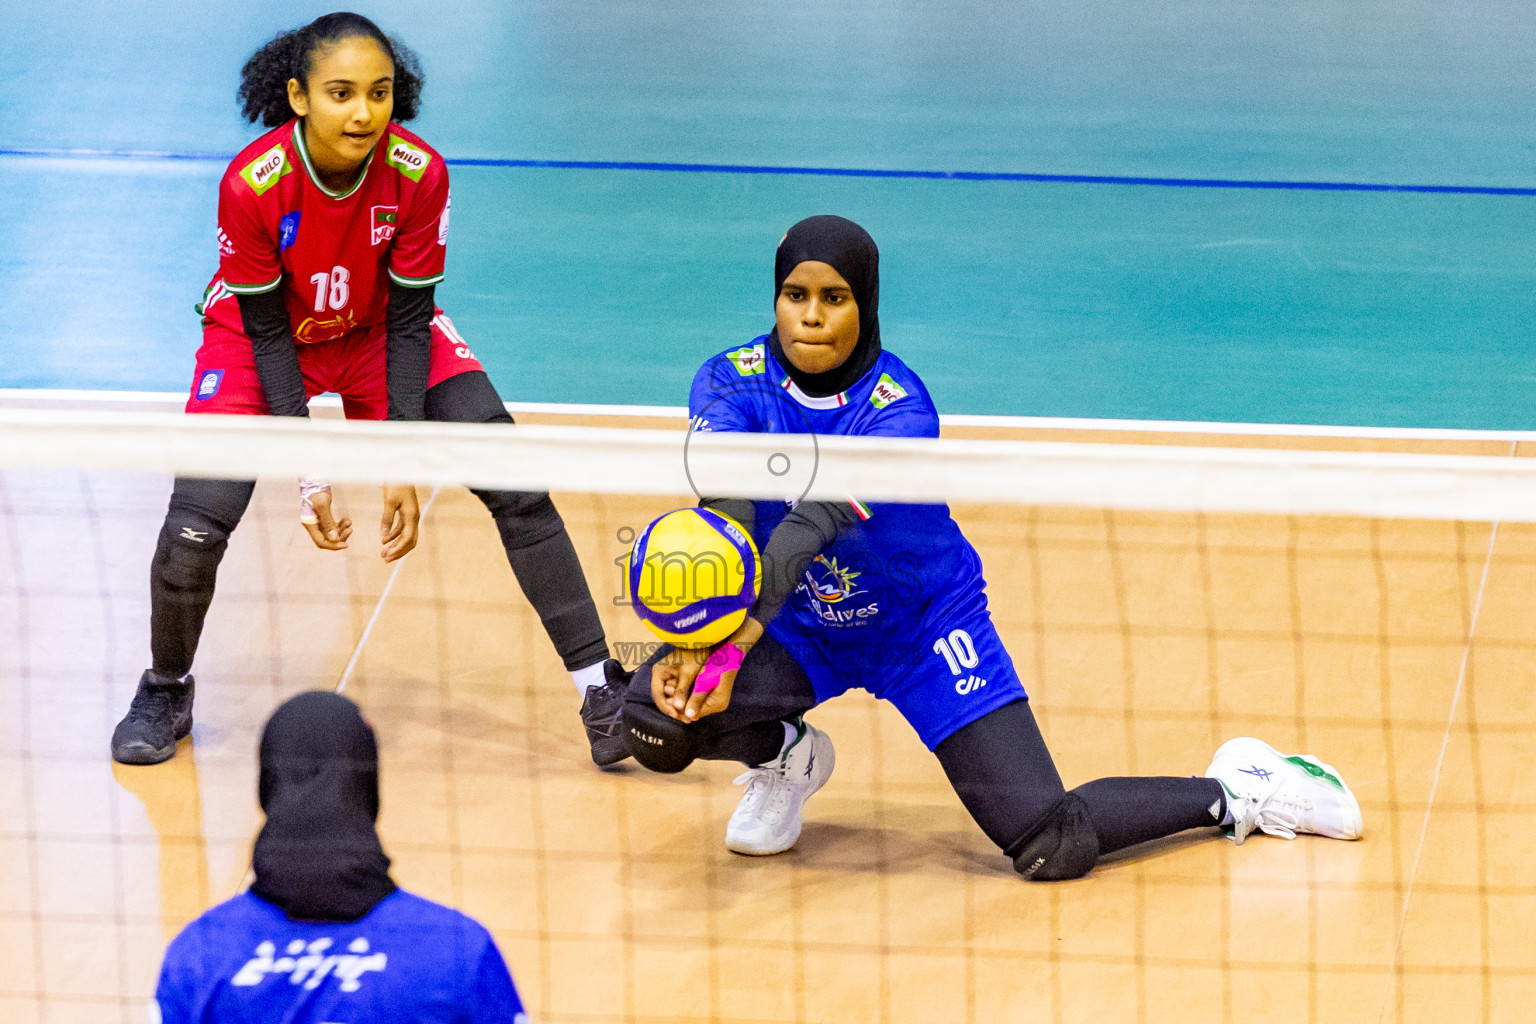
{"x":799,"y":537}
{"x":408,"y":350}
{"x":265,"y":319}
{"x":743,"y":510}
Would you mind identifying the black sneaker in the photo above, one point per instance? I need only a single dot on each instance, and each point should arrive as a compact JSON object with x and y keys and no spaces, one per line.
{"x":602,"y":711}
{"x":161,"y":714}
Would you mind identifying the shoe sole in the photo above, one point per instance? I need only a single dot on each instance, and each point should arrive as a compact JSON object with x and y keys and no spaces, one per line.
{"x":143,"y":753}
{"x":829,"y":757}
{"x":1357,"y":819}
{"x":608,"y":751}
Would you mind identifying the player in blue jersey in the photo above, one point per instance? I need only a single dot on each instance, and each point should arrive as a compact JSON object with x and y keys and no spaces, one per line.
{"x":324,"y":935}
{"x":890,"y":598}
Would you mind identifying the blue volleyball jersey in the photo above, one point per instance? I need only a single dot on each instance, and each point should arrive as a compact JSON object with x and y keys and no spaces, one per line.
{"x":408,"y":961}
{"x":869,"y":608}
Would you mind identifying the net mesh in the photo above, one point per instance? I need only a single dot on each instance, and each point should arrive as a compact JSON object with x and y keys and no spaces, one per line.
{"x":1394,"y":645}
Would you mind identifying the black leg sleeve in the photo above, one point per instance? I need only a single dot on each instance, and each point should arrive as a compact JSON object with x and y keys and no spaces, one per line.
{"x":1003,"y":773}
{"x":540,"y":551}
{"x":202,"y":515}
{"x":770,"y":688}
{"x":1130,"y":811}
{"x":1000,"y":767}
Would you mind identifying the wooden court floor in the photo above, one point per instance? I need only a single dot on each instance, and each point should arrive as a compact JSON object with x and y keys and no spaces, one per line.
{"x":1402,"y":652}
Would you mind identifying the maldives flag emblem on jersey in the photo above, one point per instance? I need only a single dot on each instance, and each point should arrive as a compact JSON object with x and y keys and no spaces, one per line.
{"x":384,"y":220}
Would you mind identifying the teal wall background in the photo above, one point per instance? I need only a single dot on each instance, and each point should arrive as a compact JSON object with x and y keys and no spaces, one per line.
{"x":1025,"y":298}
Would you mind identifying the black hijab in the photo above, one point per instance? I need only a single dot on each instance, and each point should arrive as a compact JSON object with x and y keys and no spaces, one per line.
{"x":847,"y":249}
{"x":318,"y":857}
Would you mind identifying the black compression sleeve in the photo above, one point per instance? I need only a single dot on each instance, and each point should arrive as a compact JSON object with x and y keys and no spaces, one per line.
{"x":265,"y":319}
{"x":408,"y":350}
{"x":799,"y":537}
{"x":743,"y":510}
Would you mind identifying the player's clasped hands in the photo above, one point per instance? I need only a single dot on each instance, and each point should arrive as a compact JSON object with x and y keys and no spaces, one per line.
{"x":674,"y":677}
{"x":398,"y":528}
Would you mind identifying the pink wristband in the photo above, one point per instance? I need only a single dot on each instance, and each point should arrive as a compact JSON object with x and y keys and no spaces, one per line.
{"x":727,"y":658}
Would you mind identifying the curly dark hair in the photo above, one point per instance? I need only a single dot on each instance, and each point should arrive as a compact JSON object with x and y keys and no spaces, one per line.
{"x":264,"y":78}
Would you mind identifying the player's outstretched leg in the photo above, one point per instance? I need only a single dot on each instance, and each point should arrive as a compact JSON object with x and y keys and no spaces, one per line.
{"x":544,"y":561}
{"x":201,"y":516}
{"x":1001,"y":769}
{"x":1004,"y":775}
{"x":1283,"y":795}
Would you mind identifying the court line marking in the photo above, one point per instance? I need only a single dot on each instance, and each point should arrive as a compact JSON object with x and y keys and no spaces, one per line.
{"x":1434,"y":785}
{"x":1082,"y":423}
{"x":839,"y":172}
{"x":389,"y":584}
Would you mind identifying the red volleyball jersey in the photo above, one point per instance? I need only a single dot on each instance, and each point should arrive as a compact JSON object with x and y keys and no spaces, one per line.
{"x":329,"y":251}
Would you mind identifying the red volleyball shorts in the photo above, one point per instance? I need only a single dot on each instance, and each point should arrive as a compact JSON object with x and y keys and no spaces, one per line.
{"x":352,"y":366}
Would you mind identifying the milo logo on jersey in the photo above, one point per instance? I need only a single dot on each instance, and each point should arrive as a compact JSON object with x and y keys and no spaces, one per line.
{"x":749,"y":361}
{"x":266,"y":170}
{"x":409,"y":160}
{"x":827,"y":585}
{"x":886,"y":391}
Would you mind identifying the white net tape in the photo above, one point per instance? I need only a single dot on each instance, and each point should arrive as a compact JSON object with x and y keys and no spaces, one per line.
{"x":620,"y":461}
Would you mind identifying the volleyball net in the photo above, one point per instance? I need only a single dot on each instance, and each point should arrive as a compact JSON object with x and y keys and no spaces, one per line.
{"x":1101,"y":546}
{"x":598,"y":460}
{"x":1173,"y":533}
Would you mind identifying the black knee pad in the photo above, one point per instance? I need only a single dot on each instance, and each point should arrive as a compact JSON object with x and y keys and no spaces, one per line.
{"x":189,"y":551}
{"x":659,"y":743}
{"x":1063,"y":845}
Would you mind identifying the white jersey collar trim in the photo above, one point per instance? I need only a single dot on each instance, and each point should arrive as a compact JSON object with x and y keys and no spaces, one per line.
{"x":836,"y":401}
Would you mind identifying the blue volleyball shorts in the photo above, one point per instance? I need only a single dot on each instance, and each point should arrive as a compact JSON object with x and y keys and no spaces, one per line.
{"x":942,"y":675}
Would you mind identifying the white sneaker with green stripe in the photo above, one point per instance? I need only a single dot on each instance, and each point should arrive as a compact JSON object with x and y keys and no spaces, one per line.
{"x":767,"y":821}
{"x":1281,"y":794}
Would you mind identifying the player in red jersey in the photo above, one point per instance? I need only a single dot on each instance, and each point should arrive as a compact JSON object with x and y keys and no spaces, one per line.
{"x":332,"y":233}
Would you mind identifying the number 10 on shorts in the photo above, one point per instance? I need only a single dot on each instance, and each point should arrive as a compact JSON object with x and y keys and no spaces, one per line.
{"x":959,"y":653}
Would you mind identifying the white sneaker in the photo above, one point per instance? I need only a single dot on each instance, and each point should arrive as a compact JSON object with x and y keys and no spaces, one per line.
{"x":1281,"y":795}
{"x":767,"y":820}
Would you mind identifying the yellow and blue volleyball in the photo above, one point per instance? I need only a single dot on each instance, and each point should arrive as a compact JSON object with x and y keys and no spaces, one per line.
{"x":694,"y":574}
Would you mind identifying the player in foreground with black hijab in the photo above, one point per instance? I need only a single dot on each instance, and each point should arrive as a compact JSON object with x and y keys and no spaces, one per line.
{"x":324,"y":934}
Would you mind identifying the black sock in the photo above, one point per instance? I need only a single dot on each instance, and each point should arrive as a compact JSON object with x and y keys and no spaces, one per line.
{"x":755,"y":745}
